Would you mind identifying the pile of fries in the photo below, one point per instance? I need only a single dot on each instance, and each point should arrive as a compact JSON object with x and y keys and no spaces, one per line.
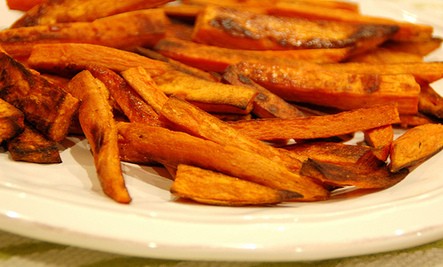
{"x":243,"y":102}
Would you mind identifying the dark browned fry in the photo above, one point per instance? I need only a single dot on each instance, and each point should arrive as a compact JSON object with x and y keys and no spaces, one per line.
{"x":31,"y":146}
{"x":46,"y":106}
{"x":235,"y":28}
{"x":366,"y":176}
{"x":406,"y":31}
{"x":12,"y":121}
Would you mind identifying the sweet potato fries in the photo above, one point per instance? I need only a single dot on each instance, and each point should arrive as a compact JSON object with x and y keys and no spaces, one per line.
{"x":273,"y":102}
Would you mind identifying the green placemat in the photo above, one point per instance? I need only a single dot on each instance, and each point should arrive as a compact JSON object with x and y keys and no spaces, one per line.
{"x":20,"y":251}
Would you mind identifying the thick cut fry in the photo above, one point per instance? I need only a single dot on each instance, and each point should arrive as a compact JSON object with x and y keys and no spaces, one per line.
{"x":213,"y":58}
{"x":266,"y":104}
{"x":385,"y":56}
{"x":209,"y":187}
{"x":406,"y":31}
{"x":329,"y":152}
{"x":319,"y":126}
{"x":365,"y":176}
{"x":208,"y":95}
{"x":421,"y":48}
{"x":319,"y":85}
{"x":142,"y":82}
{"x":60,"y":11}
{"x":47,"y":107}
{"x":380,"y":139}
{"x":22,"y":5}
{"x":177,"y":65}
{"x":132,"y":105}
{"x":266,"y":3}
{"x":141,"y":28}
{"x":31,"y":146}
{"x":173,"y":148}
{"x":188,"y":118}
{"x":231,"y":28}
{"x":424,"y":72}
{"x":99,"y":127}
{"x":12,"y":121}
{"x":70,"y":57}
{"x":416,"y":145}
{"x":408,"y":121}
{"x":430,"y":102}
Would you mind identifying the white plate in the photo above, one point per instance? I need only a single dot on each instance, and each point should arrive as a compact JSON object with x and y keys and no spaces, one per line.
{"x":63,"y":203}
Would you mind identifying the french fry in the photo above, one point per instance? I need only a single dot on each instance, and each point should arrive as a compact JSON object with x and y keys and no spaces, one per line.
{"x":209,"y":187}
{"x":266,"y":3}
{"x":70,"y":58}
{"x":380,"y":139}
{"x":132,"y":105}
{"x":421,"y":48}
{"x":31,"y":146}
{"x":142,"y":28}
{"x":266,"y":104}
{"x":263,"y":32}
{"x":99,"y":127}
{"x":12,"y":121}
{"x":177,"y":65}
{"x":334,"y":87}
{"x":47,"y":107}
{"x":60,"y":11}
{"x":174,"y":148}
{"x":217,"y":59}
{"x":208,"y":95}
{"x":144,"y":85}
{"x":22,"y":5}
{"x":329,"y":152}
{"x":406,"y":31}
{"x":319,"y":126}
{"x":384,"y":55}
{"x":183,"y":116}
{"x":424,"y":72}
{"x":430,"y":102}
{"x":416,"y":145}
{"x":364,"y":176}
{"x":412,"y":120}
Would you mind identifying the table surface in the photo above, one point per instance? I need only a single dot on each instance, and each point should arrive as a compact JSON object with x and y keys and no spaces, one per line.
{"x":21,"y":251}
